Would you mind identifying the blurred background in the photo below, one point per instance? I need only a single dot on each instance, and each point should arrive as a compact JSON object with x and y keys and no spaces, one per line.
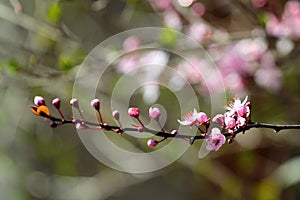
{"x":254,"y":44}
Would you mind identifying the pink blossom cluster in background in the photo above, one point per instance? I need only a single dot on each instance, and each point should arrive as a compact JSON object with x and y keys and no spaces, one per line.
{"x":241,"y":61}
{"x":288,"y":25}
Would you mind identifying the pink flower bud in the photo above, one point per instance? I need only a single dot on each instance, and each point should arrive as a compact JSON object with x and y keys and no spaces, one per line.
{"x":174,"y":132}
{"x":202,"y":118}
{"x":96,"y":104}
{"x":74,"y":102}
{"x":38,"y":100}
{"x":154,"y":113}
{"x":134,"y":112}
{"x":116,"y":115}
{"x":56,"y":103}
{"x":152,"y":142}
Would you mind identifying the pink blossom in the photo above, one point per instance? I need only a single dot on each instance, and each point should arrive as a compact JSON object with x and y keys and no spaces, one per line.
{"x":152,"y":142}
{"x":243,"y":111}
{"x":116,"y":114}
{"x":241,"y":121}
{"x":154,"y":113}
{"x":134,"y":112}
{"x":127,"y":63}
{"x":202,"y":118}
{"x":96,"y":104}
{"x":56,"y":103}
{"x":219,"y":119}
{"x":230,"y":122}
{"x":233,"y":107}
{"x":215,"y":140}
{"x":190,"y":118}
{"x":74,"y":102}
{"x":38,"y":101}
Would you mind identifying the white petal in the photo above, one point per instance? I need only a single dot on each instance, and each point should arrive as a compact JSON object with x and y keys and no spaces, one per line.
{"x":184,"y":122}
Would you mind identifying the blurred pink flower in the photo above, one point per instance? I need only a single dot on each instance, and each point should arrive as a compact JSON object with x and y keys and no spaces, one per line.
{"x":172,"y":20}
{"x":199,"y":32}
{"x":288,"y":25}
{"x":131,"y":43}
{"x":198,"y":9}
{"x":215,"y":140}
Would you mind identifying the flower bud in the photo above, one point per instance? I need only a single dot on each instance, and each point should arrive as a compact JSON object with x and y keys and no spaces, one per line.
{"x":174,"y":132}
{"x":154,"y":113}
{"x":96,"y":104}
{"x":38,"y":100}
{"x":56,"y":103}
{"x":134,"y":112}
{"x":74,"y":102}
{"x":152,"y":142}
{"x":116,"y":115}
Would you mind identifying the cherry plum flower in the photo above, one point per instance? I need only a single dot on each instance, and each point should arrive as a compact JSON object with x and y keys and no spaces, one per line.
{"x":230,"y":122}
{"x":190,"y":118}
{"x":215,"y":140}
{"x":194,"y":118}
{"x":238,"y":107}
{"x":219,"y":119}
{"x":203,"y":118}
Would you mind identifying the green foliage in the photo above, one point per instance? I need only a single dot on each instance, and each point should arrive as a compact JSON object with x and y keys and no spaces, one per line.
{"x":169,"y":37}
{"x":54,"y":12}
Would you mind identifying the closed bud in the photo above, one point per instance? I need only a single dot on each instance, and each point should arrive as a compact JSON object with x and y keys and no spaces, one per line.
{"x":74,"y":102}
{"x":96,"y":104}
{"x":116,"y":115}
{"x":152,"y":142}
{"x":39,"y":101}
{"x":134,"y":112}
{"x":56,"y":103}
